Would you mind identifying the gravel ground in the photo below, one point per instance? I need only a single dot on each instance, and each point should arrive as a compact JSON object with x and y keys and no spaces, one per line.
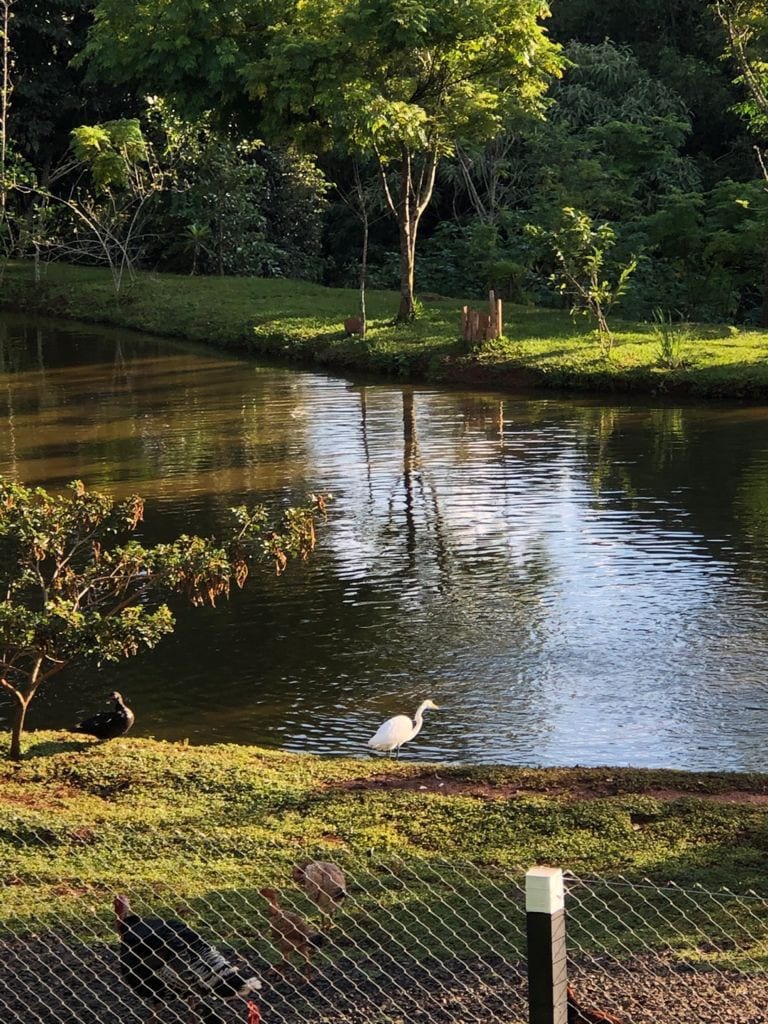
{"x":54,"y":981}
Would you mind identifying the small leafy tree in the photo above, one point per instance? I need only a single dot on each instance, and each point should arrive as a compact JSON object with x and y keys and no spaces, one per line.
{"x":363,"y":199}
{"x":105,"y":185}
{"x":582,"y":249}
{"x":123,"y":180}
{"x":75,"y":586}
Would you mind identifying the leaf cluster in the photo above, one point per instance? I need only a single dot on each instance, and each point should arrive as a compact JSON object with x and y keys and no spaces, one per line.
{"x":110,"y":150}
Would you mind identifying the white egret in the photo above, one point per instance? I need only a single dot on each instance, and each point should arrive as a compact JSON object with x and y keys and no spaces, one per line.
{"x":398,"y":730}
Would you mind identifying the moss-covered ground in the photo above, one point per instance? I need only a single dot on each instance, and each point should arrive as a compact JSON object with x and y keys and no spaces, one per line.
{"x":436,"y":855}
{"x":297,"y":320}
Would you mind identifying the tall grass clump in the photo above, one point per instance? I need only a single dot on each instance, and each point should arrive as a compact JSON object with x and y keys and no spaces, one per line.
{"x":671,"y":339}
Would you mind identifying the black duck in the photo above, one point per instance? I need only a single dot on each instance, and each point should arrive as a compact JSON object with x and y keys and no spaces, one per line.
{"x":107,"y":725}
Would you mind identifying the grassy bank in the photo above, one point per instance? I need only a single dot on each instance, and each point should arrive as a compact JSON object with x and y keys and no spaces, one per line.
{"x":205,"y":827}
{"x":301,"y":321}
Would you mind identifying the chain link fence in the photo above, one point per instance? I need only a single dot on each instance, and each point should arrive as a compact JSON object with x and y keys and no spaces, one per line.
{"x":653,"y":953}
{"x":386,"y":938}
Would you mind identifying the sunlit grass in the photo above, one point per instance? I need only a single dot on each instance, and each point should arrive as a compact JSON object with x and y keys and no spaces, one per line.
{"x":303,"y":321}
{"x":200,"y":830}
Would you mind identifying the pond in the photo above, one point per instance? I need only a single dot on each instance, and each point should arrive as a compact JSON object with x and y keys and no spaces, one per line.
{"x":574,"y":580}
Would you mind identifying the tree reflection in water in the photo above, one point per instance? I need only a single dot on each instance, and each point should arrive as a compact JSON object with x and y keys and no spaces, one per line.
{"x":576,"y":580}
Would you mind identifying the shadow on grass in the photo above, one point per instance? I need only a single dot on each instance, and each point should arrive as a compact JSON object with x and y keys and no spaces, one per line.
{"x":50,"y":747}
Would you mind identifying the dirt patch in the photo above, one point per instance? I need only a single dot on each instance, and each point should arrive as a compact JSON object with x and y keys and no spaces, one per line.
{"x":53,"y":981}
{"x":52,"y":798}
{"x":731,"y":796}
{"x":433,"y":783}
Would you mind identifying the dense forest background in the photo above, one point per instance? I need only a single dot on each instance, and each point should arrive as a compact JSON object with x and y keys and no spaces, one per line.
{"x":642,"y":133}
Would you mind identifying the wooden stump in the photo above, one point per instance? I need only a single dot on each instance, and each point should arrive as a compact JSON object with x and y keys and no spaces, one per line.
{"x":477,"y":327}
{"x":353,"y":325}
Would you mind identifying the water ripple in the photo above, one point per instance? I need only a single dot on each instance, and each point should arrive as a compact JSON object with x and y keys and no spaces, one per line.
{"x":572,"y":581}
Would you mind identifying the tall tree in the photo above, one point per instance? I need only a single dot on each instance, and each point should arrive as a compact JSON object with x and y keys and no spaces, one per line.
{"x":400,"y":80}
{"x":403,"y":81}
{"x":191,"y":52}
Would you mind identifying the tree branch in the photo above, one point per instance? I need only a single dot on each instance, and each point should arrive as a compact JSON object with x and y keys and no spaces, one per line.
{"x":385,"y":183}
{"x":431,"y":171}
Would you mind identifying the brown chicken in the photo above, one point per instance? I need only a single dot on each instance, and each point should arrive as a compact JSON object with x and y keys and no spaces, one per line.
{"x":580,"y":1014}
{"x":290,"y":932}
{"x":324,"y":883}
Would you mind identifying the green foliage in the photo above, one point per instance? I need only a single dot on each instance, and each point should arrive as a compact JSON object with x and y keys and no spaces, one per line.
{"x":110,"y":151}
{"x":50,"y":95}
{"x":188,"y":52}
{"x":388,"y":74}
{"x":641,"y":132}
{"x":615,"y":137}
{"x":582,"y":250}
{"x":469,"y":259}
{"x":404,"y":81}
{"x":680,"y":44}
{"x":293,"y":203}
{"x":209,"y":216}
{"x":746,"y":26}
{"x":72,"y":591}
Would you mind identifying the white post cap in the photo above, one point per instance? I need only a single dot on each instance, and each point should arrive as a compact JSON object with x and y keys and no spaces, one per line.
{"x":544,"y":890}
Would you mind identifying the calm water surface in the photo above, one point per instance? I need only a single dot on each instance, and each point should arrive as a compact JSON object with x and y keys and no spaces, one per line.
{"x":573,"y":580}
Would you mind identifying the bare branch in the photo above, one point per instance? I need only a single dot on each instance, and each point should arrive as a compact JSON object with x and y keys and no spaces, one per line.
{"x":385,"y":184}
{"x":428,"y":186}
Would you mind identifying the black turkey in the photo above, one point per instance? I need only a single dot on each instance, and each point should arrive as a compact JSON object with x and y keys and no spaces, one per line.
{"x":166,"y":960}
{"x":107,"y":725}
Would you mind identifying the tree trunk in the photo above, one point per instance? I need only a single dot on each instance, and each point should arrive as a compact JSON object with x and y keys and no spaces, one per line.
{"x":17,"y":730}
{"x":362,"y":209}
{"x":407,"y":310}
{"x":407,"y":209}
{"x":5,"y":100}
{"x":408,"y":223}
{"x":364,"y":275}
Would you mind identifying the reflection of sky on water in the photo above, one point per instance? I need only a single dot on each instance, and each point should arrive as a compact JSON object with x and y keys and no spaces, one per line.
{"x":573,"y":582}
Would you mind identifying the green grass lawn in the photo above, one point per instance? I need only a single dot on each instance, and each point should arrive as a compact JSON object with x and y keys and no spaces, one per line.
{"x":303,"y":321}
{"x":200,"y":830}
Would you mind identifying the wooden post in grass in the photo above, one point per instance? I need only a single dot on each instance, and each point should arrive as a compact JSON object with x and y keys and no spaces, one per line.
{"x":498,"y":316}
{"x":464,"y":330}
{"x":477,"y":327}
{"x":545,"y":928}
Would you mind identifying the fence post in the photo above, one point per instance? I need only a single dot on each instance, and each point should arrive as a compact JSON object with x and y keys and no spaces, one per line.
{"x":545,"y":928}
